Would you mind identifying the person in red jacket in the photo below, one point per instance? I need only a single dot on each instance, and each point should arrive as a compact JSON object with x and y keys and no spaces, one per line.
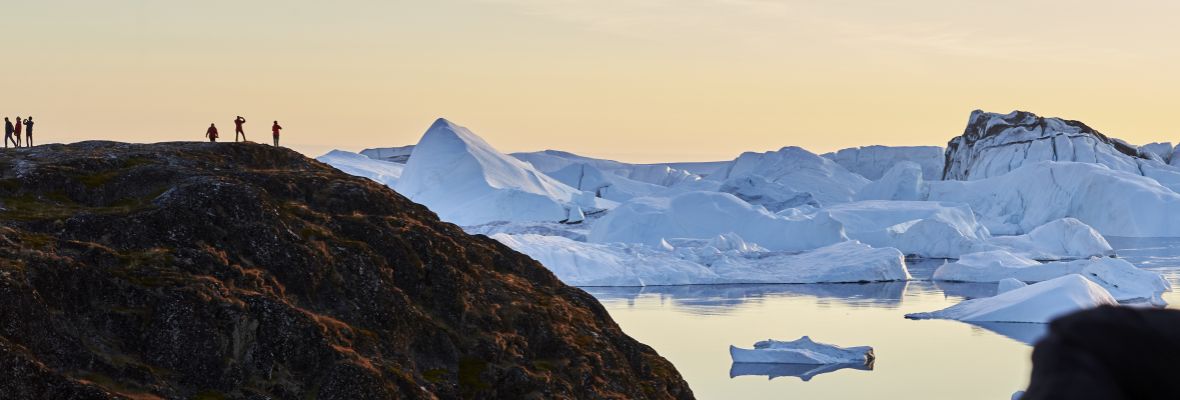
{"x":19,"y":129}
{"x":276,"y":128}
{"x":211,"y":133}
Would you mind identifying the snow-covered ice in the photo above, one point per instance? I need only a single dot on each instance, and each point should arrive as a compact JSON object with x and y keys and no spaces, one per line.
{"x":872,"y":161}
{"x":466,"y":181}
{"x":1037,"y":303}
{"x":383,"y":172}
{"x":801,"y":351}
{"x":1120,"y":278}
{"x":703,"y":215}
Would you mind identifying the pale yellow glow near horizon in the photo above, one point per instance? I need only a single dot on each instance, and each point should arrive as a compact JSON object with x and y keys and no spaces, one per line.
{"x":635,"y":80}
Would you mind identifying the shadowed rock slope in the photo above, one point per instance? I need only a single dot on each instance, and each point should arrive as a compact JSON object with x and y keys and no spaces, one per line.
{"x":198,"y":270}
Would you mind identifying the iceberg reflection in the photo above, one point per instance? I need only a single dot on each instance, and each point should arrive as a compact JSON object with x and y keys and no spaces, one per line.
{"x":802,"y":371}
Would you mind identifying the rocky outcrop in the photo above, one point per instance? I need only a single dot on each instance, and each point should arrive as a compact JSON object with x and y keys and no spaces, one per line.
{"x":994,"y":144}
{"x":199,"y":270}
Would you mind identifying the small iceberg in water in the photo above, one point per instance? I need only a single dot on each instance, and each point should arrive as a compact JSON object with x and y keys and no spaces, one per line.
{"x":801,"y":351}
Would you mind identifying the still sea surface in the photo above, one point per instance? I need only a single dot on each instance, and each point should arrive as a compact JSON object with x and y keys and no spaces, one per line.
{"x":693,"y":327}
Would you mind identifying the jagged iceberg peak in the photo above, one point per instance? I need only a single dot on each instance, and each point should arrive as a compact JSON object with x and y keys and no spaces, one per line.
{"x":993,"y":144}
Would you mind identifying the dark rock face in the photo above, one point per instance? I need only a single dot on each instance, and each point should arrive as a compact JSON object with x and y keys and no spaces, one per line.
{"x":993,"y":144}
{"x":198,"y":270}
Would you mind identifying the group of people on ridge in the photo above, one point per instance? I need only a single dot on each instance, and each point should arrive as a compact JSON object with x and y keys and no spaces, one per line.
{"x":12,"y":132}
{"x":212,"y":134}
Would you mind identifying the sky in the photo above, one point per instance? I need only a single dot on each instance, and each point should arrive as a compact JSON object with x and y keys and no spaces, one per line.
{"x":633,"y":80}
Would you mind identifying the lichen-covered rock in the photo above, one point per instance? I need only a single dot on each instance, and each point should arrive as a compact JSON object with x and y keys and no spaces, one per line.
{"x":198,"y":270}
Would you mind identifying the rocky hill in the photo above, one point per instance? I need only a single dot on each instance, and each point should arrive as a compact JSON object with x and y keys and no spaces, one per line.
{"x":198,"y":270}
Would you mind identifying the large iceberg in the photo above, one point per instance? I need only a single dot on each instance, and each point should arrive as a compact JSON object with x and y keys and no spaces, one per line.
{"x":1115,"y":203}
{"x":795,"y":170}
{"x":1120,"y":278}
{"x":872,"y":161}
{"x":722,"y":260}
{"x":383,"y":172}
{"x":467,"y":182}
{"x":1037,"y":303}
{"x":995,"y":144}
{"x":703,"y":215}
{"x":801,"y":351}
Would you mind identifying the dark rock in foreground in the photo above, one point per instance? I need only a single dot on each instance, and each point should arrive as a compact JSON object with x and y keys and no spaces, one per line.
{"x":197,"y":270}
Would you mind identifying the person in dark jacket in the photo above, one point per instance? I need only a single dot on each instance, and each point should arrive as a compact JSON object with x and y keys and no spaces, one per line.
{"x":8,"y":130}
{"x":1113,"y":353}
{"x":238,"y":122}
{"x":211,"y":133}
{"x":29,"y":132}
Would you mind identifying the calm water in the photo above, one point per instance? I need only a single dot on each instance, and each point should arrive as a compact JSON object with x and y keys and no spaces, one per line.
{"x":693,"y":327}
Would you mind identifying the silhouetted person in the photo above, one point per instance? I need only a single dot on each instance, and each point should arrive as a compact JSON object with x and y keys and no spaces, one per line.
{"x":238,"y":128}
{"x":211,"y":133}
{"x":16,"y":136}
{"x":29,"y":132}
{"x":275,"y":129}
{"x":1115,"y":353}
{"x":8,"y":130}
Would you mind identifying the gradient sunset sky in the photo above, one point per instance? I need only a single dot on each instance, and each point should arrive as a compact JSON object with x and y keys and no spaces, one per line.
{"x":635,"y":80}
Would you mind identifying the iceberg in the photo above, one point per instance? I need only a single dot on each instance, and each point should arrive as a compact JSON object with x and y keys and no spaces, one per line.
{"x":801,"y":351}
{"x":466,"y":181}
{"x":624,"y":264}
{"x":795,"y":170}
{"x":1115,"y":203}
{"x":995,"y":144}
{"x":400,"y":155}
{"x":703,"y":215}
{"x":920,"y":228}
{"x":1062,"y":239}
{"x":383,"y":172}
{"x":903,"y":181}
{"x":1160,"y":151}
{"x":1037,"y":303}
{"x":609,"y":186}
{"x":872,"y":161}
{"x":1120,"y":278}
{"x":551,"y":161}
{"x":1009,"y":284}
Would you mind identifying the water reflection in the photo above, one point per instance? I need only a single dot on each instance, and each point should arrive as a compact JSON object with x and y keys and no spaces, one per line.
{"x":1024,"y":333}
{"x":802,"y":371}
{"x":721,"y":299}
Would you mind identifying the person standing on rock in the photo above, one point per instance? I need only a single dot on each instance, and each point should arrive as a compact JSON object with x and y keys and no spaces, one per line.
{"x":8,"y":130}
{"x":238,"y":122}
{"x":29,"y":132}
{"x":19,"y":127}
{"x":275,"y":129}
{"x":211,"y":133}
